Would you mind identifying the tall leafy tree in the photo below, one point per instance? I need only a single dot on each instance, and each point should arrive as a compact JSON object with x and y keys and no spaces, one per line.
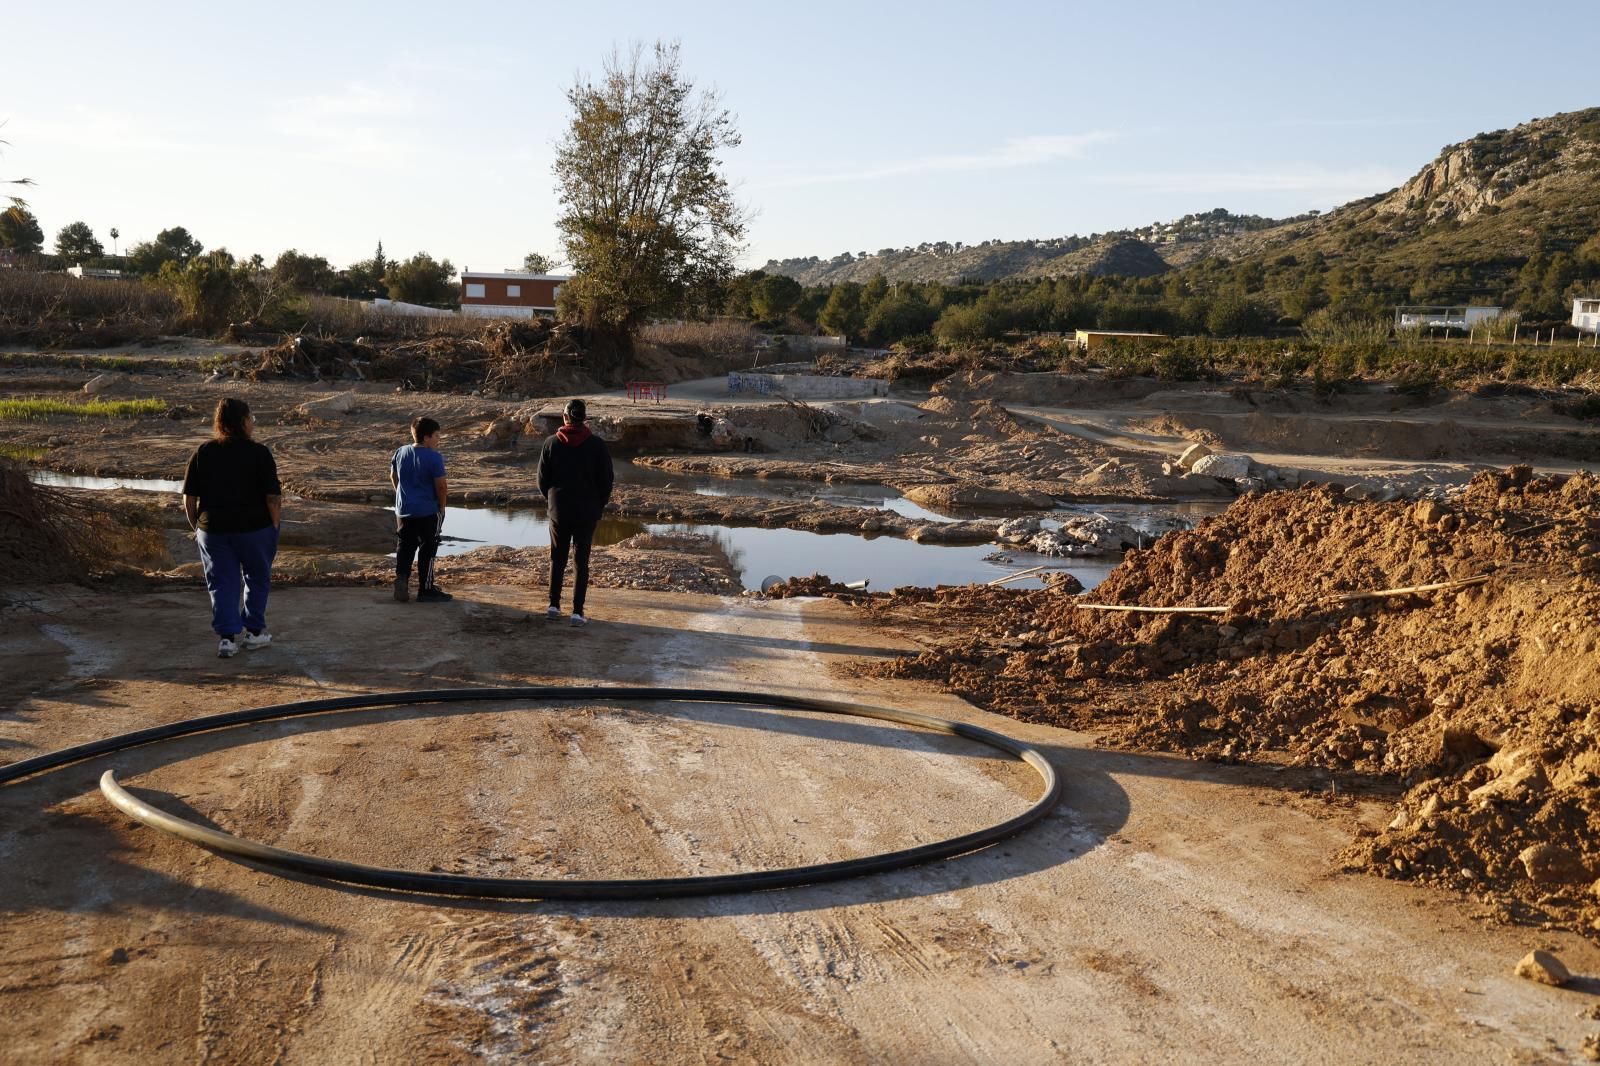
{"x":19,"y":231}
{"x":421,"y":280}
{"x":646,"y":210}
{"x":303,"y":273}
{"x":176,"y":245}
{"x":773,"y":296}
{"x":76,"y":241}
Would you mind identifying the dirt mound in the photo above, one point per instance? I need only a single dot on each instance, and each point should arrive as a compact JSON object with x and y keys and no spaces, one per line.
{"x":1480,"y":699}
{"x":815,"y":585}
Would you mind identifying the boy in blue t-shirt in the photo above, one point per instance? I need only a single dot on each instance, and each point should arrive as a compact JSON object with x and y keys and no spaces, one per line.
{"x":417,"y":473}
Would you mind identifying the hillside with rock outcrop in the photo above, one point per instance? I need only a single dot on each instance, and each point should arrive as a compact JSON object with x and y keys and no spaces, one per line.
{"x":1473,"y":216}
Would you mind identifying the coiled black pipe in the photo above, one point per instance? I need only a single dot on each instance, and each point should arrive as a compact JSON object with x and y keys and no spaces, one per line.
{"x":520,"y":888}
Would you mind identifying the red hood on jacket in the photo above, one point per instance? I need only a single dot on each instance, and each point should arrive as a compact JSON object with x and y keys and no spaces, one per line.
{"x":573,"y":435}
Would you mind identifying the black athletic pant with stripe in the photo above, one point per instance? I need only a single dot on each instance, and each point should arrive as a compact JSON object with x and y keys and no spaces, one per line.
{"x":578,"y":536}
{"x":418,"y":537}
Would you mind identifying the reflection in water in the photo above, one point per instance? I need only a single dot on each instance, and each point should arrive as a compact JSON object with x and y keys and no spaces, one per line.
{"x":80,"y":481}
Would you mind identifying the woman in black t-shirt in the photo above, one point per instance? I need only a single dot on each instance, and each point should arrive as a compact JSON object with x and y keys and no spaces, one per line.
{"x":234,"y":503}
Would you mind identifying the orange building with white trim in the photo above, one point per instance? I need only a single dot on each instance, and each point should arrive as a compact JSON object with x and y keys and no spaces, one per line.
{"x":509,"y":293}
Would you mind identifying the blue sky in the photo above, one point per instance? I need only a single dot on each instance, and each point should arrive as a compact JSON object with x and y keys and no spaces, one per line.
{"x":327,"y":127}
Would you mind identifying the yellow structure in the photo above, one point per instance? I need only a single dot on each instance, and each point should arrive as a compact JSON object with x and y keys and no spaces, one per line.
{"x":1090,"y":339}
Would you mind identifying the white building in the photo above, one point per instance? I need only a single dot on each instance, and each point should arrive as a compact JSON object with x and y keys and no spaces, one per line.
{"x":1460,"y":317}
{"x":1586,"y":315}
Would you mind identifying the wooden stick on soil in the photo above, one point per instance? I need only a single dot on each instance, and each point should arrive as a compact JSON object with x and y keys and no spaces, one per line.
{"x":1438,"y":586}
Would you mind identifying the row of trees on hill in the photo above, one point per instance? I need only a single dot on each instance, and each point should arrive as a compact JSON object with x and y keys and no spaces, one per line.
{"x":1214,"y":297}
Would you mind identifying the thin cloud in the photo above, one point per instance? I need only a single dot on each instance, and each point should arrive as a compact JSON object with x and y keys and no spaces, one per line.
{"x":1358,"y":181}
{"x":1016,"y":152}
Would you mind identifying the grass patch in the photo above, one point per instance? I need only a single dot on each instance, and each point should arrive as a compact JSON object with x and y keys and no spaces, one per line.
{"x":127,"y":364}
{"x":36,"y":409}
{"x":22,"y":453}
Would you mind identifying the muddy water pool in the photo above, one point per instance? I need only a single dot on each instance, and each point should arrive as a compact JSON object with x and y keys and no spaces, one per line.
{"x":757,"y":553}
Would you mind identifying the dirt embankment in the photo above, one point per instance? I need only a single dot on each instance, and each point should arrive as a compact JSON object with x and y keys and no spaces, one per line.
{"x":1480,"y":702}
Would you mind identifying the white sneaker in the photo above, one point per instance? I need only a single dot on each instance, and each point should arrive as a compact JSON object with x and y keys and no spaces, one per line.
{"x":579,"y":620}
{"x":252,"y":641}
{"x":552,"y":611}
{"x":226,"y":648}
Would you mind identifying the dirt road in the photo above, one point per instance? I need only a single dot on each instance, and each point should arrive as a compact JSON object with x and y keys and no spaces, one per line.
{"x":1167,"y":909}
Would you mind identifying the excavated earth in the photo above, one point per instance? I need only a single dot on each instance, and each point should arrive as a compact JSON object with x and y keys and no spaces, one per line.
{"x":1478,"y":704}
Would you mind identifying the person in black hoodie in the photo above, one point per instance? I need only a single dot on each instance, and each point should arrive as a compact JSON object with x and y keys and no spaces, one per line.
{"x":575,"y":478}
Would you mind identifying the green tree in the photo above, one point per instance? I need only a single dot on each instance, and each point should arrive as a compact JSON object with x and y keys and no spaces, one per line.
{"x":303,"y":273}
{"x":19,"y":231}
{"x":646,"y":210}
{"x":421,"y":280}
{"x":176,"y":245}
{"x":901,"y":315}
{"x":538,"y":263}
{"x":773,"y":297}
{"x":841,"y":316}
{"x":76,"y":242}
{"x":1233,"y":314}
{"x":214,"y":290}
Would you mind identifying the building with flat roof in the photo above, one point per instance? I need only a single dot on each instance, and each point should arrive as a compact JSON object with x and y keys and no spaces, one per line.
{"x":1090,"y":339}
{"x":1586,"y":314}
{"x":81,"y":271}
{"x":1460,"y":316}
{"x":509,"y":293}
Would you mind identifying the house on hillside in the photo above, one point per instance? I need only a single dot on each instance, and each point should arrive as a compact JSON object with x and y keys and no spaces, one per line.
{"x":1458,"y":317}
{"x":509,"y":293}
{"x":1586,"y":315}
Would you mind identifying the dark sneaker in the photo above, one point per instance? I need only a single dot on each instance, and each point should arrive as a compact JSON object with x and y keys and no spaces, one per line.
{"x":400,"y":594}
{"x":434,"y":596}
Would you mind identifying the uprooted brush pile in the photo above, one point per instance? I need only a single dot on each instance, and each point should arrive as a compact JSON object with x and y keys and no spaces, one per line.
{"x":49,"y":535}
{"x":1481,"y":701}
{"x":506,"y":358}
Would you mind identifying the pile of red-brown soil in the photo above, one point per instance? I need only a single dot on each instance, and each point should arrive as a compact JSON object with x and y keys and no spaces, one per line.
{"x":1481,"y":699}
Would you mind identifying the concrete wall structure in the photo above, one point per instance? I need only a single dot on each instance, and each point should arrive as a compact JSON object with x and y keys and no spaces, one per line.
{"x":1586,"y":315}
{"x":804,"y":386}
{"x":804,"y":342}
{"x":1443,"y":317}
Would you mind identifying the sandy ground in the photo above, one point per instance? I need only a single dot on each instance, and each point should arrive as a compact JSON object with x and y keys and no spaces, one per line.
{"x":1167,"y":910}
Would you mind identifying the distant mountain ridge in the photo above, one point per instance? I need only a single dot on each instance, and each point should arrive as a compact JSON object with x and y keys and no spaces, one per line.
{"x":1481,"y":208}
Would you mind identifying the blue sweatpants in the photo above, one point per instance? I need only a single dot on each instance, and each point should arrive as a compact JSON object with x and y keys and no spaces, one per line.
{"x":228,"y":556}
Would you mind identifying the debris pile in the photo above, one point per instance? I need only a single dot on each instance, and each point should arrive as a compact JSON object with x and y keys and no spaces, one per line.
{"x":1479,"y":698}
{"x":49,"y":534}
{"x":501,"y":358}
{"x":1076,"y":536}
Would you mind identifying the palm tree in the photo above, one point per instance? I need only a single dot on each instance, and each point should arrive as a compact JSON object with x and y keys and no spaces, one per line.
{"x":114,"y":236}
{"x":16,"y":201}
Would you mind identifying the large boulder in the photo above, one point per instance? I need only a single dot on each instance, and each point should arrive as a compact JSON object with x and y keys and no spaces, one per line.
{"x":1222,"y":465}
